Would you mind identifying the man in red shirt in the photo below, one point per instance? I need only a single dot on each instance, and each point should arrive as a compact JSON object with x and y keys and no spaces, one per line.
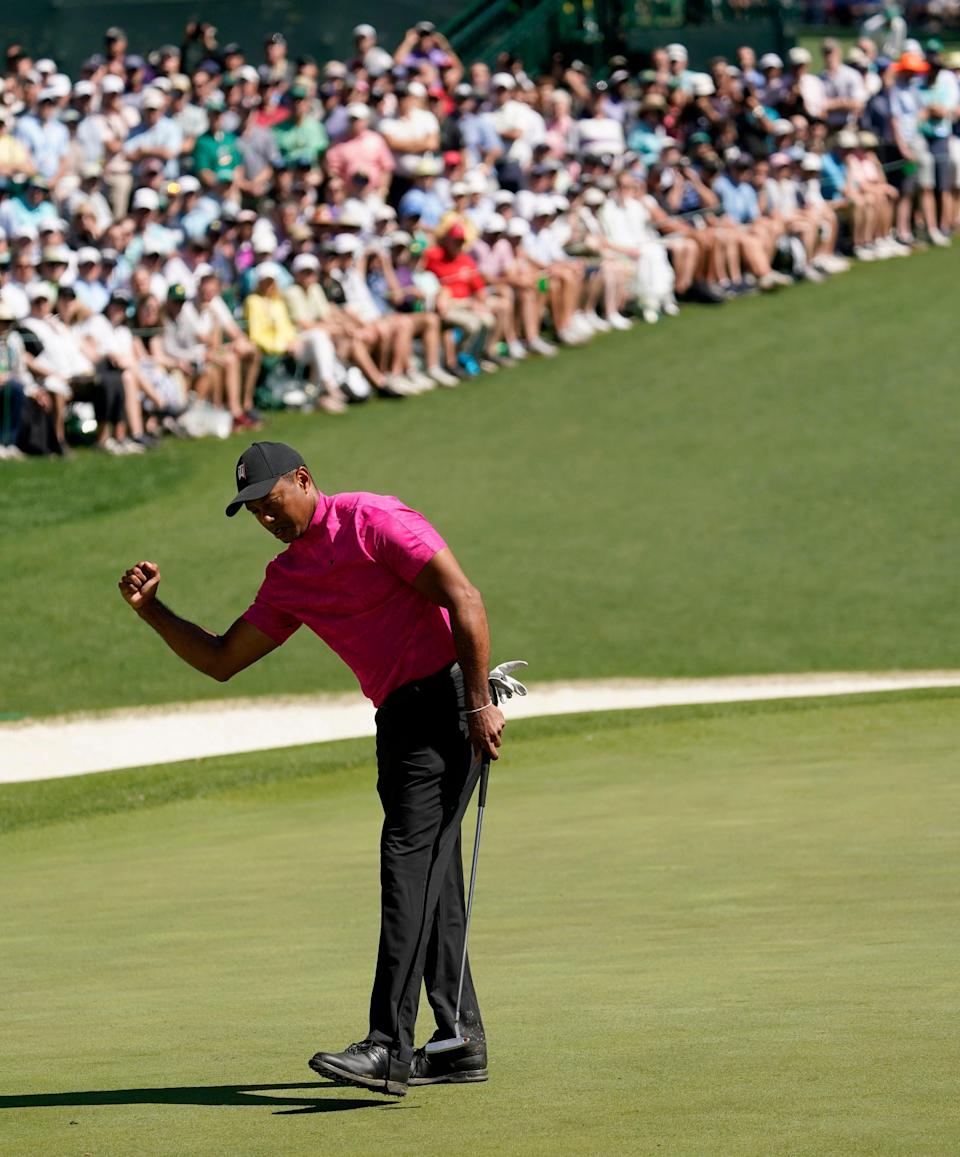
{"x":379,"y":585}
{"x":467,"y":306}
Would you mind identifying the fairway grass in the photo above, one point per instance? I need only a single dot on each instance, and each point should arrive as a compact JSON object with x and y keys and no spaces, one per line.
{"x":710,"y":931}
{"x":758,"y":488}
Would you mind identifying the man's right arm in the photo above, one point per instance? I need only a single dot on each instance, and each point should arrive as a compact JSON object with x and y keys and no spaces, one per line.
{"x":219,"y":656}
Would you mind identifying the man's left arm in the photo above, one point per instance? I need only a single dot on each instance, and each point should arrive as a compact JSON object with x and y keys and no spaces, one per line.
{"x":442,"y":581}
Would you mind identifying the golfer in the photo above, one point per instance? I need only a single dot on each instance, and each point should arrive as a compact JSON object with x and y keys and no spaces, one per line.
{"x":377,"y":583}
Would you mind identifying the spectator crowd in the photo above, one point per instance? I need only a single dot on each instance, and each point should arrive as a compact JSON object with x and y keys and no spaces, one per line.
{"x":189,"y":237}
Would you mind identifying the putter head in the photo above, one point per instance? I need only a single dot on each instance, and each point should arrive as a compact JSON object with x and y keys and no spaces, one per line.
{"x":445,"y":1046}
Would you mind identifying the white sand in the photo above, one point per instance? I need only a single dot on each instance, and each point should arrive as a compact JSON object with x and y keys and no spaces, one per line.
{"x":76,"y":745}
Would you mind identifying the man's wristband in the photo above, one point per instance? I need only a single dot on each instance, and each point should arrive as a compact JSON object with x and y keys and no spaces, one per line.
{"x":477,"y":710}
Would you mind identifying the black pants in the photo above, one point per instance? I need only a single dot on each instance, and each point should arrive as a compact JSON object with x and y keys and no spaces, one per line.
{"x":426,"y":775}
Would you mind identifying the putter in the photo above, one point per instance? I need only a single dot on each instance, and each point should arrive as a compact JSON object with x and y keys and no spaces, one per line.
{"x":457,"y":1040}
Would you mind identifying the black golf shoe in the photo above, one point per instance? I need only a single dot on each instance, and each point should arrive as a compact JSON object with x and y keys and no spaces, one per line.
{"x":365,"y":1064}
{"x":459,"y":1066}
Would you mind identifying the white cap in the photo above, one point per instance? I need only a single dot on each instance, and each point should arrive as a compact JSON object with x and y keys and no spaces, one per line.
{"x":769,"y":60}
{"x":593,"y":196}
{"x":560,"y":203}
{"x":41,"y":289}
{"x":364,"y":30}
{"x":249,"y":75}
{"x":475,"y":181}
{"x":811,"y":163}
{"x":146,"y":199}
{"x":543,"y":206}
{"x":495,"y":223}
{"x":415,"y":88}
{"x":358,"y":111}
{"x":459,"y":189}
{"x":305,"y":261}
{"x":88,"y":256}
{"x":384,"y":213}
{"x":83,"y":88}
{"x":268,"y":270}
{"x":345,"y":243}
{"x":154,"y":98}
{"x":677,"y":52}
{"x":503,"y":80}
{"x":48,"y":93}
{"x":111,"y":83}
{"x":517,"y":227}
{"x":163,"y":84}
{"x":52,"y":225}
{"x":204,"y":269}
{"x":703,"y":85}
{"x":799,"y":55}
{"x":45,"y":66}
{"x":848,"y":139}
{"x":378,"y":61}
{"x":25,"y":232}
{"x":60,"y":255}
{"x":263,"y":241}
{"x":189,"y":184}
{"x":503,"y":197}
{"x":399,"y":239}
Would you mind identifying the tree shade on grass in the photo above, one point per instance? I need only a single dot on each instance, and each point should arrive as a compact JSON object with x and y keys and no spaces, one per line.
{"x":714,"y":931}
{"x":755,"y":488}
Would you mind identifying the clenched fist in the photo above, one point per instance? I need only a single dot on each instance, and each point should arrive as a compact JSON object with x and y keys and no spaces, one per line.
{"x":139,"y":584}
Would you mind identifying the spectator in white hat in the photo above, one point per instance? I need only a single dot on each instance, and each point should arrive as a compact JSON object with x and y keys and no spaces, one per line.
{"x":364,"y":41}
{"x":678,"y":61}
{"x":88,"y":286}
{"x":157,"y":137}
{"x":811,"y":87}
{"x":362,"y":150}
{"x":564,"y":275}
{"x":210,"y":302}
{"x":45,"y":137}
{"x":413,"y":132}
{"x":516,"y":280}
{"x":310,"y":310}
{"x":16,"y":386}
{"x":519,"y":126}
{"x":110,"y":128}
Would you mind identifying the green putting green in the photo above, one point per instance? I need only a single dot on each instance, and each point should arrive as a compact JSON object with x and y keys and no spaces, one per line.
{"x":758,"y":487}
{"x":698,"y":931}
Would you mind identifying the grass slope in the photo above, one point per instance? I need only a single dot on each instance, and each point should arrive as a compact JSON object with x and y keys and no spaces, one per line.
{"x":755,"y":488}
{"x":731,"y":931}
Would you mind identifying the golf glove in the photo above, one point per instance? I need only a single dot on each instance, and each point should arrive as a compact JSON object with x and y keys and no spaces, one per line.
{"x":503,"y":682}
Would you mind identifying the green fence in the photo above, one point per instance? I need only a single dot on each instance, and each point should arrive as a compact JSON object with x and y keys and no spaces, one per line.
{"x":71,"y":30}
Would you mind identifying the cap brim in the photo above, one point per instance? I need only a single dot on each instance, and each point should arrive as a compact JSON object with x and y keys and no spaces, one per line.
{"x":251,"y":493}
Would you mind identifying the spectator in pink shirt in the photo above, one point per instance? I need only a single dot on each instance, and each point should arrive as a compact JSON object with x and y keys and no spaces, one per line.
{"x":363,"y":151}
{"x":512,"y":280}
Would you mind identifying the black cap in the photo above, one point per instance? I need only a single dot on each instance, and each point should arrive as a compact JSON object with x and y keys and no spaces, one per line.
{"x":258,"y":470}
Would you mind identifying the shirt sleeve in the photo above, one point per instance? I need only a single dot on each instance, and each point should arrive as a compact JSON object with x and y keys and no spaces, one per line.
{"x":400,"y":540}
{"x":277,"y":624}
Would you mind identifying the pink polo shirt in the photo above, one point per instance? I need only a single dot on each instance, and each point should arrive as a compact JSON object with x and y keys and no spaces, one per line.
{"x":348,"y":578}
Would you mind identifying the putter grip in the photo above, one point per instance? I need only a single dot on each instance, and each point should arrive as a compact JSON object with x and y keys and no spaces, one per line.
{"x":484,"y":779}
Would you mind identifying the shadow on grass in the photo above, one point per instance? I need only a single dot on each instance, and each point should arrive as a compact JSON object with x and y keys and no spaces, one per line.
{"x":200,"y":1095}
